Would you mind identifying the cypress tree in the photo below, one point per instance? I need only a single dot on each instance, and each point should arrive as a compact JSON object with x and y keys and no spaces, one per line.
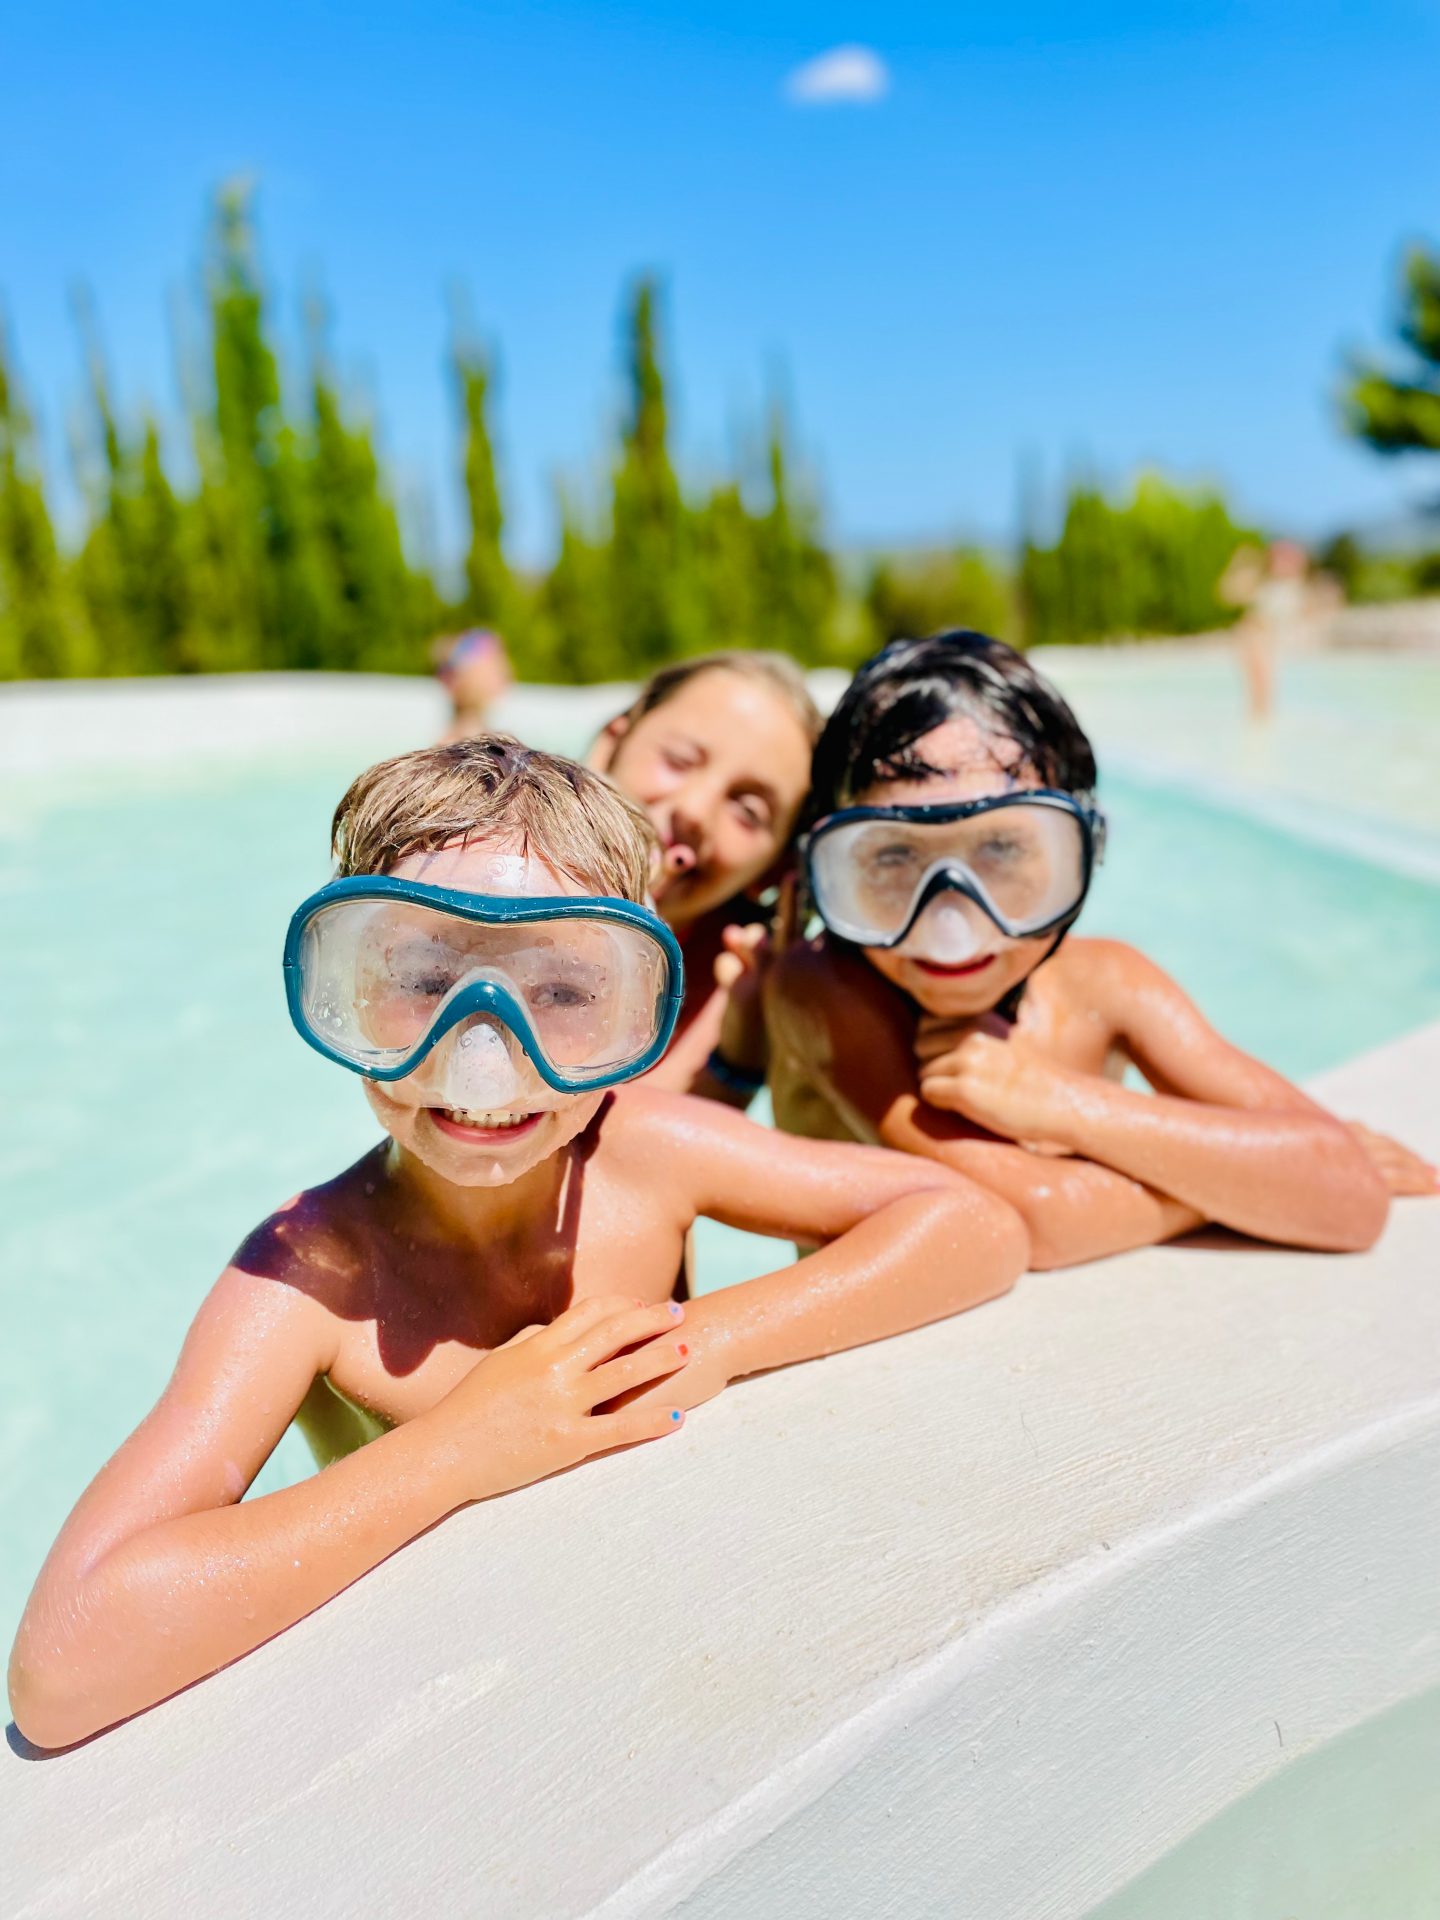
{"x":260,"y":576}
{"x":651,"y":597}
{"x":371,"y":612}
{"x":42,"y":630}
{"x":489,"y":590}
{"x":134,"y":567}
{"x":795,"y":587}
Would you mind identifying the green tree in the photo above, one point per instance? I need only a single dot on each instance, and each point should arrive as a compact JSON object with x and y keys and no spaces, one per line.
{"x":795,"y":584}
{"x":43,"y":632}
{"x":489,"y":590}
{"x":133,"y":570}
{"x":910,"y":596}
{"x":258,"y":573}
{"x":1399,"y":411}
{"x":652,"y":609}
{"x":1150,"y":566}
{"x":374,"y":614}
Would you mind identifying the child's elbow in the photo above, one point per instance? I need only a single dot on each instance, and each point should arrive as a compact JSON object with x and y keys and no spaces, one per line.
{"x":1352,"y":1199}
{"x":996,"y":1238}
{"x":1363,"y":1218}
{"x":47,"y":1712}
{"x":50,"y":1702}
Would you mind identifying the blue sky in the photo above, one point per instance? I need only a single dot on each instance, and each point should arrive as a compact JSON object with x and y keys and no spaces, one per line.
{"x":1123,"y":234}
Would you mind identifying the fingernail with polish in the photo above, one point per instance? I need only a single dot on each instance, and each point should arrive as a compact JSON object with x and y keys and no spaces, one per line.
{"x":682,"y":1349}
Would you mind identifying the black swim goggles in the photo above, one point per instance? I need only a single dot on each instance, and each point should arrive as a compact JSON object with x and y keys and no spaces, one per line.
{"x":1024,"y":860}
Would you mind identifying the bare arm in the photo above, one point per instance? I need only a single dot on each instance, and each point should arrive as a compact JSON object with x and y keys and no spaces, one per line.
{"x":1222,"y":1134}
{"x":906,"y":1240}
{"x":159,"y":1577}
{"x":841,"y":1030}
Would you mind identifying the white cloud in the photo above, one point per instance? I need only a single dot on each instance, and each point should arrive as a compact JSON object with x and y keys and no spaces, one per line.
{"x":843,"y":74}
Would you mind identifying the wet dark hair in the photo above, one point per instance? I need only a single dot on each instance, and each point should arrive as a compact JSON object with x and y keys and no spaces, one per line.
{"x":913,"y":686}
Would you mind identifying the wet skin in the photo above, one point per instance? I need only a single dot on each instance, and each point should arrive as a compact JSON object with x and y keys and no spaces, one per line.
{"x":493,"y":1304}
{"x":877,"y":1045}
{"x":722,"y":769}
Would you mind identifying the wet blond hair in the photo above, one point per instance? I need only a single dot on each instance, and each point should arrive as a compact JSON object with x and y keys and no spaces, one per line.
{"x":777,"y":671}
{"x":575,"y":819}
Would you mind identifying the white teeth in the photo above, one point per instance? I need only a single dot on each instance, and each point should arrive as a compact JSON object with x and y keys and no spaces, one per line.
{"x":465,"y":1117}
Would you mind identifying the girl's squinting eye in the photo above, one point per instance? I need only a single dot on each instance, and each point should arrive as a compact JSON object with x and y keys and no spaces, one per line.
{"x":679,"y":758}
{"x":754,"y":813}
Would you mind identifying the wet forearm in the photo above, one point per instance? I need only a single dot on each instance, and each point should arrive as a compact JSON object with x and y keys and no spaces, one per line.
{"x":183,"y":1598}
{"x":1073,"y":1210}
{"x":1294,"y":1176}
{"x":916,"y":1259}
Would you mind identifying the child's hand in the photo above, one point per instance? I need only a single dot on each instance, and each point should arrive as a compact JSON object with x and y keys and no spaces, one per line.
{"x":526,"y":1409}
{"x":741,"y":970}
{"x":1400,"y":1169}
{"x":710,"y":1366}
{"x":748,"y":957}
{"x":1000,"y":1083}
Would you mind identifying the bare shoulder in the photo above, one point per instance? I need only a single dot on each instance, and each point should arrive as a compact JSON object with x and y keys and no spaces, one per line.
{"x":316,"y":1246}
{"x":1107,"y":975}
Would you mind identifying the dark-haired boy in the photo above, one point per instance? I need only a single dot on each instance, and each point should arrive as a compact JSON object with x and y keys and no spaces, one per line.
{"x":944,"y":1012}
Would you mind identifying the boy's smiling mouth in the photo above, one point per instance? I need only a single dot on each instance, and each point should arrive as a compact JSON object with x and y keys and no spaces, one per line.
{"x":947,"y":972}
{"x":476,"y":1128}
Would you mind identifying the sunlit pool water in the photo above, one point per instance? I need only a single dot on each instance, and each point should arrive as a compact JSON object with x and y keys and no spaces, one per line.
{"x":1348,"y":1831}
{"x":158,"y":1102}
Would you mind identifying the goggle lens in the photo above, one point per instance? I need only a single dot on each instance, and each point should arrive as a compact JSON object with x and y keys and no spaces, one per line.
{"x":1028,"y":860}
{"x":376,"y":976}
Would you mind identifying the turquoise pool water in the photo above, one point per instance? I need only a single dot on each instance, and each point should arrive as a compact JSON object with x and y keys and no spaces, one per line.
{"x":158,"y":1102}
{"x":1347,"y":1831}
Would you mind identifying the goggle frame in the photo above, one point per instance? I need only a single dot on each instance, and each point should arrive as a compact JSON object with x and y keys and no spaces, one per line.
{"x":953,"y":876}
{"x":486,"y":996}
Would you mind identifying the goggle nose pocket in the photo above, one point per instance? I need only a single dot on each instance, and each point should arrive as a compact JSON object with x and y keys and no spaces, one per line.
{"x":479,"y":1070}
{"x":944,"y":932}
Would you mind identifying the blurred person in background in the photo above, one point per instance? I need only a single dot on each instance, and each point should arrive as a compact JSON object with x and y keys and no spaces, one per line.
{"x":717,"y":750}
{"x":474,"y":669}
{"x":1283,"y":607}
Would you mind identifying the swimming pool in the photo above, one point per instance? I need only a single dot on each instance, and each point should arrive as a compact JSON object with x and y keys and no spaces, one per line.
{"x":160,"y":1102}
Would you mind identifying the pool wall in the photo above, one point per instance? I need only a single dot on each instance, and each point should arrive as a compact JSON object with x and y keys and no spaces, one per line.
{"x":978,"y":1622}
{"x":981,"y":1622}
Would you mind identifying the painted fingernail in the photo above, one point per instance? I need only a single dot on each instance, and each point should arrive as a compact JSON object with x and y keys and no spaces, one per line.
{"x":676,"y":1417}
{"x":677,"y":1312}
{"x":682,"y":1349}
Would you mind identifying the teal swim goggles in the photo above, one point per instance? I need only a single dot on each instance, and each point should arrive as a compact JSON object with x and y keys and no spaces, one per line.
{"x":380,"y":973}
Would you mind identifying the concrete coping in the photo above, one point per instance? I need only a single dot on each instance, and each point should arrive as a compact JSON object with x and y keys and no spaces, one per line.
{"x":979,"y":1621}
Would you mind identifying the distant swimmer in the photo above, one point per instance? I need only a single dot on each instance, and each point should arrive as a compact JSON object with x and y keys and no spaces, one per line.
{"x":1283,"y":607}
{"x":474,"y":669}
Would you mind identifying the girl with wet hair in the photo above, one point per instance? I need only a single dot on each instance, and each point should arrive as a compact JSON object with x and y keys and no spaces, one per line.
{"x":944,"y":1008}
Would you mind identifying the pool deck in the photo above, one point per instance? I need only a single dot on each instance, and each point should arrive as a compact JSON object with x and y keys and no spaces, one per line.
{"x":977,"y":1622}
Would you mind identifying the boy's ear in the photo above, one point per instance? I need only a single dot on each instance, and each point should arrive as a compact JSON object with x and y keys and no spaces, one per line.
{"x":603,"y":749}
